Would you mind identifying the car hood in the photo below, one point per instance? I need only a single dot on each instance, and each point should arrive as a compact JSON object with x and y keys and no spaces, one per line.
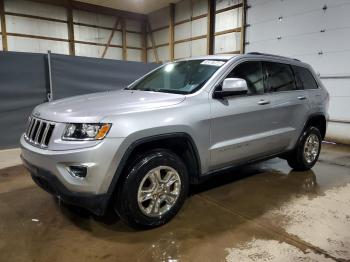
{"x":93,"y":107}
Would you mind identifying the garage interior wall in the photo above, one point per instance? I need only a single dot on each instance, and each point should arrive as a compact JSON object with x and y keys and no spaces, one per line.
{"x":38,"y":27}
{"x":316,"y":32}
{"x":190,"y":35}
{"x":177,"y":31}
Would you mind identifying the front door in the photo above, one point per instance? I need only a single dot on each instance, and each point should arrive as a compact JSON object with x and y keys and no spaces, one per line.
{"x":242,"y":127}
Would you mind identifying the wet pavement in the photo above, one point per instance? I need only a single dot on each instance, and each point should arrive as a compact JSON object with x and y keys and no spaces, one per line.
{"x":261,"y":212}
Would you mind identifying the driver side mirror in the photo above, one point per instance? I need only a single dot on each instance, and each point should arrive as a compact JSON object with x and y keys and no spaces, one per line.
{"x":232,"y":87}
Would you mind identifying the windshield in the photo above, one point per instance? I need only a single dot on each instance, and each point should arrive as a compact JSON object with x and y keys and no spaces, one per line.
{"x":183,"y":77}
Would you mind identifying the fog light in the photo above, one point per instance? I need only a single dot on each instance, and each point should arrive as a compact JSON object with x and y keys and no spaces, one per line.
{"x":78,"y":171}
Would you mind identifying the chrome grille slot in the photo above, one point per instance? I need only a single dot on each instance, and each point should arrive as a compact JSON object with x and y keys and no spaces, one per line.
{"x":39,"y":132}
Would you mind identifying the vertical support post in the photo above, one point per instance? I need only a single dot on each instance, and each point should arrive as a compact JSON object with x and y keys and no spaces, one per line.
{"x":154,"y":47}
{"x":144,"y":41}
{"x":124,"y":39}
{"x":70,"y":28}
{"x":243,"y":26}
{"x":171,"y":31}
{"x":50,"y":95}
{"x":210,"y":27}
{"x":3,"y":26}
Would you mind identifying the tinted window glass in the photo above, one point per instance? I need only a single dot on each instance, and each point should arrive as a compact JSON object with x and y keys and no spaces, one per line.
{"x":252,"y":73}
{"x":304,"y":78}
{"x":280,"y":77}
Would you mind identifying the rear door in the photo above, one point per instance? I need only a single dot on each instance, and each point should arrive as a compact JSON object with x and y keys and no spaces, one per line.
{"x":290,"y":102}
{"x":306,"y":81}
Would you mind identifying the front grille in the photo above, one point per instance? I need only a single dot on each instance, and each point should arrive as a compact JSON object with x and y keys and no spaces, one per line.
{"x":39,"y":132}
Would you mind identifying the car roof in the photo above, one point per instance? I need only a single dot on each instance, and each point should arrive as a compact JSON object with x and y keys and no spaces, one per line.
{"x":256,"y":55}
{"x":209,"y":57}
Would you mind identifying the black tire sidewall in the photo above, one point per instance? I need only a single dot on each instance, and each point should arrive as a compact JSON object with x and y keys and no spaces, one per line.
{"x":126,"y":202}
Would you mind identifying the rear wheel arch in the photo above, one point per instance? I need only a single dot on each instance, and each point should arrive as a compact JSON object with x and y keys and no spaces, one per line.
{"x":319,"y":121}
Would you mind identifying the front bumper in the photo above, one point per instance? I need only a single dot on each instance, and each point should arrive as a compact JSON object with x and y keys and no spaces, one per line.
{"x":96,"y":204}
{"x":50,"y":170}
{"x":101,"y":161}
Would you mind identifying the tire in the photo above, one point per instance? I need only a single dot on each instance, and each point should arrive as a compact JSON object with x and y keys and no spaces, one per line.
{"x":143,"y":189}
{"x":304,"y":158}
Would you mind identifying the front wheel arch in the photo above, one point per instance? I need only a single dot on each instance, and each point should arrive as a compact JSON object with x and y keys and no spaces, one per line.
{"x":190,"y":156}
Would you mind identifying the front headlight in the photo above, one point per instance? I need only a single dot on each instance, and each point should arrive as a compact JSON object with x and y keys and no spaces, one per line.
{"x":86,"y":131}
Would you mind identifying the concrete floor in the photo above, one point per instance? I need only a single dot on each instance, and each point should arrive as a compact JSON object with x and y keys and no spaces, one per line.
{"x":264,"y":212}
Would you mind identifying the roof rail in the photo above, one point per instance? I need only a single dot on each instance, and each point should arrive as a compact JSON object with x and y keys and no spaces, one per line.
{"x":278,"y":56}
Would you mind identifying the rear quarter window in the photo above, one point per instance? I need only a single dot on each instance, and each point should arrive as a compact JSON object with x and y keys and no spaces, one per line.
{"x":304,"y":78}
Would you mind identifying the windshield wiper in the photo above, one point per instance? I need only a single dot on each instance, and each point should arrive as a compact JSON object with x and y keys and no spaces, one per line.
{"x":172,"y":91}
{"x":144,"y":89}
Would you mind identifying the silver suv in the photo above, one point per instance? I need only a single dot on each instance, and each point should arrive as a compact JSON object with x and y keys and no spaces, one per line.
{"x":140,"y":148}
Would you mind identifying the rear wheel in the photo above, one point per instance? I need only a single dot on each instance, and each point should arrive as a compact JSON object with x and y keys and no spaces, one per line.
{"x":307,"y":151}
{"x":153,"y":190}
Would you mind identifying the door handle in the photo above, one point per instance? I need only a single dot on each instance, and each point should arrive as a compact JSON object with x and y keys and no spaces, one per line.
{"x":263,"y":102}
{"x":302,"y":97}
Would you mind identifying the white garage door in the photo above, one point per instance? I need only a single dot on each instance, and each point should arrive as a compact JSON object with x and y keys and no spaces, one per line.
{"x":316,"y":32}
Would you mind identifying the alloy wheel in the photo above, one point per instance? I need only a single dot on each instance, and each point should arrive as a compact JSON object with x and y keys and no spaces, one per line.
{"x":311,"y":148}
{"x":158,"y":191}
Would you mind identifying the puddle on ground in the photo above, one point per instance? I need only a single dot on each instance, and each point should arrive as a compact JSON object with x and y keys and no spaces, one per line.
{"x":322,"y":221}
{"x":272,"y":251}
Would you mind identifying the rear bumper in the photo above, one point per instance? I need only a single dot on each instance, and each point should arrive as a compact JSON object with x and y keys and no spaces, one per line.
{"x":95,"y":203}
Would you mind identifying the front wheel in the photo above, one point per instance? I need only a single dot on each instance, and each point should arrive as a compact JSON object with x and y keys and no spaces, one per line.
{"x":153,"y":190}
{"x":307,"y":151}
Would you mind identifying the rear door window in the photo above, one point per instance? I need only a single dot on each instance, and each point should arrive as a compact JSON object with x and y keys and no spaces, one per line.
{"x":304,"y":78}
{"x":279,"y":77}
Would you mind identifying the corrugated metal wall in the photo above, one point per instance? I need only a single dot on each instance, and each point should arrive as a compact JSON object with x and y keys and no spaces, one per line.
{"x":97,"y":35}
{"x":185,"y":10}
{"x":224,"y":21}
{"x":191,"y":29}
{"x":159,"y":19}
{"x":30,"y":26}
{"x":29,"y":30}
{"x":91,"y":31}
{"x":317,"y":32}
